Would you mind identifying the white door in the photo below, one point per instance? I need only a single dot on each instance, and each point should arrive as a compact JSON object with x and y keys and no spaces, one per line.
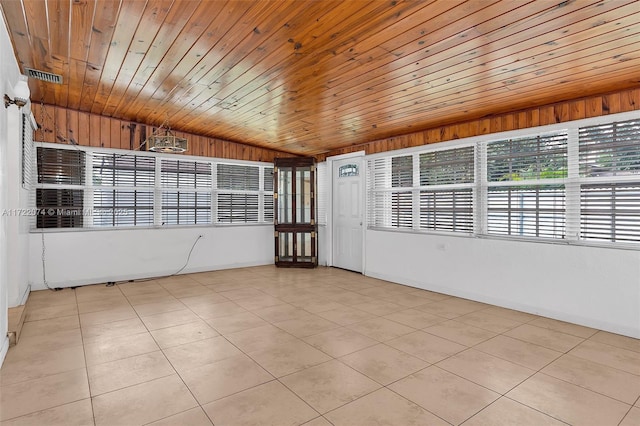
{"x":348,"y":215}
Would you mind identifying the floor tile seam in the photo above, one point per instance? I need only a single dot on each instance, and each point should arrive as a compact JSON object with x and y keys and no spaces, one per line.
{"x":625,"y":415}
{"x":558,"y":331}
{"x":614,"y":346}
{"x":424,"y":330}
{"x":181,"y":412}
{"x":542,"y":346}
{"x":6,"y":385}
{"x":84,"y":353}
{"x":533,"y":373}
{"x":342,"y":405}
{"x":517,"y":402}
{"x":585,"y":388}
{"x":457,"y":319}
{"x":415,"y":403}
{"x":132,"y":385}
{"x":48,"y":408}
{"x":599,"y":363}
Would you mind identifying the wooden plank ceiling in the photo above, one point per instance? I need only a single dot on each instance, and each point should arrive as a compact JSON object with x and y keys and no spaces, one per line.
{"x":307,"y":77}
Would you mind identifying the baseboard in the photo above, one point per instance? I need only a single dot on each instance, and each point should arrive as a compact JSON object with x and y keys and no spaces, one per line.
{"x":145,"y":275}
{"x":4,"y":349}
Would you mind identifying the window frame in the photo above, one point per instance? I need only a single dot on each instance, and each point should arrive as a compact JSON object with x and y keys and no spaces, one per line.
{"x":157,"y":189}
{"x":572,"y":182}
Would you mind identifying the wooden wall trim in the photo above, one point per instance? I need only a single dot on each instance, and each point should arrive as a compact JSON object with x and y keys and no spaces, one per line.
{"x":576,"y":109}
{"x":67,"y":126}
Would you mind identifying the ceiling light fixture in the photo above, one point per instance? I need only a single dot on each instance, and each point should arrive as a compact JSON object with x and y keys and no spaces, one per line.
{"x":164,"y":140}
{"x":21,"y":94}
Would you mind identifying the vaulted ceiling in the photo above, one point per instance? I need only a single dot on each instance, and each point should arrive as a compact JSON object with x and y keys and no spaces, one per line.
{"x":308,"y":76}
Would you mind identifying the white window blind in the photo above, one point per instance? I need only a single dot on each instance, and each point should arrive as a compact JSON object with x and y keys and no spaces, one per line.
{"x":28,"y":157}
{"x":238,"y":177}
{"x":186,"y":208}
{"x":529,"y":158}
{"x":191,"y":203}
{"x":447,"y":210}
{"x":59,"y":208}
{"x":531,"y":205}
{"x":321,"y":193}
{"x":447,"y":167}
{"x":610,"y":149}
{"x":238,"y":208}
{"x":402,"y":171}
{"x":143,"y":189}
{"x":609,"y":161}
{"x":267,"y":196}
{"x":390,"y":206}
{"x":527,"y":211}
{"x":61,"y":166}
{"x":60,"y":195}
{"x":610,"y":212}
{"x":115,"y":201}
{"x":185,"y":174}
{"x":119,"y":207}
{"x":240,"y":192}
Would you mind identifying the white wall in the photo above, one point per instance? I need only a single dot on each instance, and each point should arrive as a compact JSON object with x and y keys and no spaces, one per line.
{"x":18,"y":225}
{"x":82,"y":257}
{"x":593,"y":286}
{"x":9,"y":138}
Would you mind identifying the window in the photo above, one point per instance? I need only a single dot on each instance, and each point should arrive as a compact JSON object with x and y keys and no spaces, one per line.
{"x":118,"y":200}
{"x":610,"y":212}
{"x":60,"y":194}
{"x":447,"y":210}
{"x":609,"y":161}
{"x":432,"y":190}
{"x":390,"y":192}
{"x":61,"y":166}
{"x":447,"y":202}
{"x":530,"y":204}
{"x":529,"y":211}
{"x":145,"y":189}
{"x":572,"y":182}
{"x":267,"y":196}
{"x":59,"y":208}
{"x":183,"y":204}
{"x":238,"y":194}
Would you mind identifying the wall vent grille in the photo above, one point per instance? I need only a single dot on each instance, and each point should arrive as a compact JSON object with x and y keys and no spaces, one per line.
{"x":44,"y":76}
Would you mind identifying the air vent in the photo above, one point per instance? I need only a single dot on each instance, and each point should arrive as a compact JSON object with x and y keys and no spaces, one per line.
{"x":44,"y":76}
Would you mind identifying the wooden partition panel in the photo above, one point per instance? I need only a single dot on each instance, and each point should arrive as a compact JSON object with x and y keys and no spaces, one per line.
{"x":594,"y":106}
{"x":67,"y":126}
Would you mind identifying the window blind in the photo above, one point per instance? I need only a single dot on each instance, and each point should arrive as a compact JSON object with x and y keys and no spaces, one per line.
{"x":238,"y":177}
{"x":402,"y":171}
{"x":123,"y":170}
{"x":527,"y":211}
{"x":611,"y":149}
{"x":114,"y":207}
{"x":28,"y":163}
{"x":60,"y":166}
{"x":238,"y":208}
{"x":185,"y":174}
{"x":186,"y":208}
{"x":529,"y":158}
{"x":321,"y":193}
{"x":447,"y":167}
{"x":59,"y":208}
{"x":447,"y":210}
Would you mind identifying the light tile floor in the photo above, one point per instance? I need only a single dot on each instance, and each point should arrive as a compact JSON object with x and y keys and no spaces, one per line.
{"x":267,"y":346}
